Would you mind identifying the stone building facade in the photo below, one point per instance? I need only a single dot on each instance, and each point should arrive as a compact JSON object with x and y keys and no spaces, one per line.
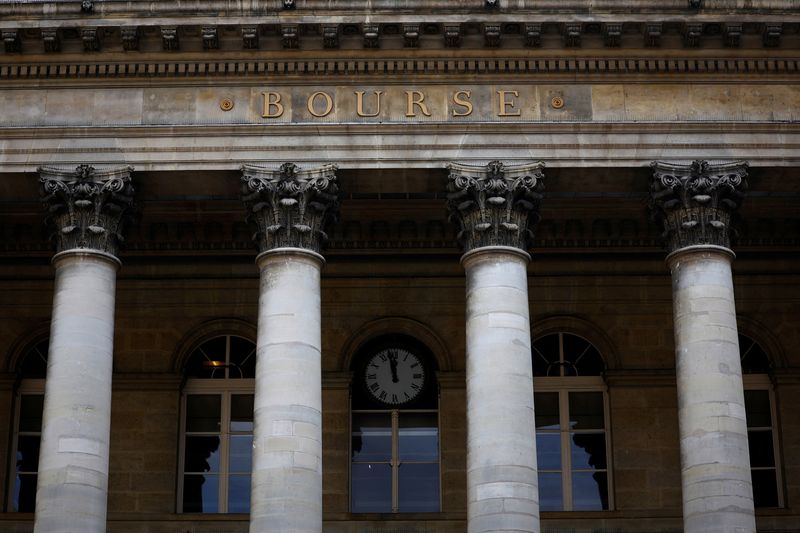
{"x":503,"y":266}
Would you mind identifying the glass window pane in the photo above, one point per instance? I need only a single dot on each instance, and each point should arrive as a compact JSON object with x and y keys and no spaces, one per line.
{"x":762,"y":451}
{"x":588,"y":451}
{"x":545,"y":356}
{"x":25,"y":493}
{"x":28,"y":453}
{"x":239,"y":494}
{"x":243,"y":358}
{"x":765,"y":488}
{"x":419,"y":437}
{"x":372,"y":437}
{"x":30,"y":412}
{"x":419,"y":488}
{"x":372,"y":488}
{"x":202,"y":454}
{"x":242,"y":412}
{"x":757,"y":406}
{"x":546,"y":408}
{"x":586,"y":410}
{"x":241,"y":453}
{"x":548,"y":451}
{"x":200,"y":493}
{"x":203,"y":412}
{"x":551,"y":494}
{"x":589,"y":491}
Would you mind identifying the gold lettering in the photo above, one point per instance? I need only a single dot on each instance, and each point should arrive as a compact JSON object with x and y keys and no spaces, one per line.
{"x":463,"y":102}
{"x":272,"y":100}
{"x":504,"y":105}
{"x":360,"y":104}
{"x":416,"y":98}
{"x":328,"y":104}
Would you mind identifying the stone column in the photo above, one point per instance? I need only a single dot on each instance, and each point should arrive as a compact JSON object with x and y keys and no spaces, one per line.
{"x":495,"y":208}
{"x":695,"y":204}
{"x":288,"y":210}
{"x":88,"y":210}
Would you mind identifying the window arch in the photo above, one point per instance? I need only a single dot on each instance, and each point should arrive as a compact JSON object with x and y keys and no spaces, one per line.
{"x":761,"y":412}
{"x":572,"y":438}
{"x":217,"y":426}
{"x":394,"y":450}
{"x":28,"y":407}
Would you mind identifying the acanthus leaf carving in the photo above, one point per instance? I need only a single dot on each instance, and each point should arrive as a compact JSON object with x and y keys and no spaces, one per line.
{"x":495,"y":205}
{"x":696,"y":203}
{"x":87,"y":208}
{"x":290,"y":207}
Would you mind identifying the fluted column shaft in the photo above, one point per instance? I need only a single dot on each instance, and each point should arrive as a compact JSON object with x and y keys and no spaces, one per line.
{"x":87,"y":210}
{"x":696,"y":204}
{"x":495,"y":208}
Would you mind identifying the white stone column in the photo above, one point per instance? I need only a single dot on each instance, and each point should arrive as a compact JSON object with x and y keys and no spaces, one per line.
{"x":695,"y":204}
{"x":288,"y":210}
{"x":87,"y":210}
{"x":494,"y":208}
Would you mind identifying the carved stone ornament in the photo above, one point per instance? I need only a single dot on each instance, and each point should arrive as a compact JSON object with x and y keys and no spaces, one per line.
{"x":290,"y":207}
{"x":695,"y":203}
{"x":87,"y":208}
{"x":495,"y":205}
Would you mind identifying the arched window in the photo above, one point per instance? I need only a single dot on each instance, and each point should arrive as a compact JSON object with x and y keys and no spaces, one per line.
{"x":572,"y":440}
{"x":217,"y":427}
{"x":759,"y":402}
{"x":28,"y":407}
{"x":394,"y":428}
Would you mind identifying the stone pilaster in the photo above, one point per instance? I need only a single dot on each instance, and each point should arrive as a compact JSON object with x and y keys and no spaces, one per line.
{"x":288,"y":209}
{"x":696,"y":203}
{"x":495,"y":208}
{"x":88,"y":210}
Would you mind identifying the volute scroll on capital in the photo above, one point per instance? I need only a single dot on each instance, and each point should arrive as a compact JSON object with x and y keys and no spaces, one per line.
{"x":495,"y":205}
{"x":88,"y":208}
{"x":696,"y":203}
{"x":290,"y":207}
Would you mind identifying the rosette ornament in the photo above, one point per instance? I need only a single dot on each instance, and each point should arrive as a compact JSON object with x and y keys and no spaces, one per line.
{"x":87,"y":208}
{"x":290,"y":207}
{"x":695,"y":203}
{"x":495,"y":205}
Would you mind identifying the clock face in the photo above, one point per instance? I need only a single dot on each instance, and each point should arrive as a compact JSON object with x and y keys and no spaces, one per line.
{"x":394,"y":376}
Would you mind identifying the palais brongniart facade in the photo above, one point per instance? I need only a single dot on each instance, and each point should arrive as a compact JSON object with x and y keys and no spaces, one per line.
{"x":399,"y":266}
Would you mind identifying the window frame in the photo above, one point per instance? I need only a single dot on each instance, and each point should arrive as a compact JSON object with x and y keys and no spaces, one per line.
{"x":32,"y":387}
{"x":225,"y":388}
{"x":762,"y":382}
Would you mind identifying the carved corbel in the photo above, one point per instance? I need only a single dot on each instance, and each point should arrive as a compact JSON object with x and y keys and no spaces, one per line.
{"x":411,"y":35}
{"x":91,"y":39}
{"x":491,"y":35}
{"x":452,"y":36}
{"x":11,"y":41}
{"x":250,"y":37}
{"x":87,"y":208}
{"x":330,"y":36}
{"x":652,"y":34}
{"x":130,"y":38}
{"x":612,"y":34}
{"x":733,"y":34}
{"x":695,"y":203}
{"x":572,"y":34}
{"x":290,"y":207}
{"x":52,"y":43}
{"x":210,"y":38}
{"x":533,"y":35}
{"x":372,"y":36}
{"x":169,"y":38}
{"x":290,"y":36}
{"x":495,"y":205}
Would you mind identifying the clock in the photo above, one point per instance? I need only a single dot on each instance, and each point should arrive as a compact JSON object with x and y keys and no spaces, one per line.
{"x":394,"y":376}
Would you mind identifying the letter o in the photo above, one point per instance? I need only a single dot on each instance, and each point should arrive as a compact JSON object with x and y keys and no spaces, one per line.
{"x":328,"y":104}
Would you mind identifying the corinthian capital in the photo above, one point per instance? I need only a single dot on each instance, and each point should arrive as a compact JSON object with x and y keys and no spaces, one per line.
{"x":87,"y":208}
{"x":695,"y":202}
{"x":495,"y":205}
{"x":290,"y":207}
